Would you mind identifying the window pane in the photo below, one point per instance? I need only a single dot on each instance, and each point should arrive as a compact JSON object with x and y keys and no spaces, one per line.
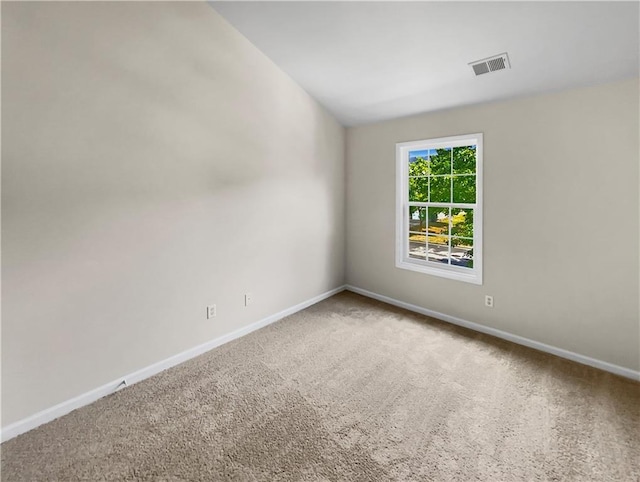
{"x":440,"y":161}
{"x":464,"y":189}
{"x":438,"y":249}
{"x":462,"y":252}
{"x":438,"y":221}
{"x":464,"y":160}
{"x":417,"y":219}
{"x":418,"y":189}
{"x":440,"y":189}
{"x":418,"y":163}
{"x":417,"y":246}
{"x":462,"y":223}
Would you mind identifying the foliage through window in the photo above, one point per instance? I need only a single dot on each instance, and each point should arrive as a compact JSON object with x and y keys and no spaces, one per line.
{"x":439,"y":207}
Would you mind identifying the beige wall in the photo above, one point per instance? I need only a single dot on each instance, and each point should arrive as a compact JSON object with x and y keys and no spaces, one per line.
{"x":560,"y":212}
{"x":154,"y":162}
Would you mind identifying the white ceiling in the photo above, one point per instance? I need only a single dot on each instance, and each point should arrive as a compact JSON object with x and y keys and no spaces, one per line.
{"x":370,"y":61}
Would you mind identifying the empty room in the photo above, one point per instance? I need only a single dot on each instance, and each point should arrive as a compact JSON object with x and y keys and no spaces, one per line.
{"x":320,"y":241}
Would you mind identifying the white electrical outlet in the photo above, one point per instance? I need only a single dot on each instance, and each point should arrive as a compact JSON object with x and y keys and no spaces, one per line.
{"x":248,"y":299}
{"x":211,"y":311}
{"x":488,"y":301}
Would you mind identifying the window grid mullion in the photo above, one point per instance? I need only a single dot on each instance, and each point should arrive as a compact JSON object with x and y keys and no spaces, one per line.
{"x":462,"y":174}
{"x":442,"y":205}
{"x":449,"y":221}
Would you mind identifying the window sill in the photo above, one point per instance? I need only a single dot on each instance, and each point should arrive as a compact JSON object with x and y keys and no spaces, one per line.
{"x":449,"y":272}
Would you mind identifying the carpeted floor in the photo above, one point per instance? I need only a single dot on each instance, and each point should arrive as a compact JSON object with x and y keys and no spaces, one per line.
{"x":350,"y":389}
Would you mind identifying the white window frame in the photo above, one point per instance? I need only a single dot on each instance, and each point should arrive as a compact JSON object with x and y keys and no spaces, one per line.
{"x":403,"y":261}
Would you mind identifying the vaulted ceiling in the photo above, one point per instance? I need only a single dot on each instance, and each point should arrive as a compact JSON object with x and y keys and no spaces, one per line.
{"x":371,"y":61}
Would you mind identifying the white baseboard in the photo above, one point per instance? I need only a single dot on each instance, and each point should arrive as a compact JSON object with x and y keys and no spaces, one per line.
{"x":585,"y":360}
{"x":67,"y":406}
{"x":49,"y":414}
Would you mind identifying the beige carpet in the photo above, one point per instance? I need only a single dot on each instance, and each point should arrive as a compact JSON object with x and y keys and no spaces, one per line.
{"x":350,"y":389}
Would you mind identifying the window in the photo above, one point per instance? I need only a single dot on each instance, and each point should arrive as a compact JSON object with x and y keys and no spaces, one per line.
{"x":439,"y":207}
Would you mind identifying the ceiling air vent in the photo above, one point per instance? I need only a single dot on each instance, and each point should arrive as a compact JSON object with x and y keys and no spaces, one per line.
{"x":491,"y":64}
